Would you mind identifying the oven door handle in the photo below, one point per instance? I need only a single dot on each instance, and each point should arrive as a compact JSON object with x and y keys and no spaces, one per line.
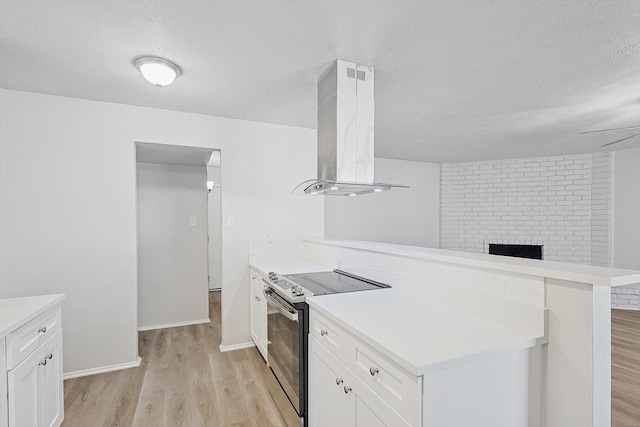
{"x":288,"y":312}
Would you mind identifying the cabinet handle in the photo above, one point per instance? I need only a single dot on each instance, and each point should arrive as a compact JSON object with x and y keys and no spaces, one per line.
{"x":339,"y":381}
{"x":43,"y":362}
{"x":347,"y":389}
{"x":42,"y":330}
{"x":50,"y":356}
{"x":373,"y":371}
{"x":324,"y":332}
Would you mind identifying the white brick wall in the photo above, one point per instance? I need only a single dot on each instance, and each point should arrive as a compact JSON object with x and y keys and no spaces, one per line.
{"x":628,"y":299}
{"x":543,"y":201}
{"x":564,"y":203}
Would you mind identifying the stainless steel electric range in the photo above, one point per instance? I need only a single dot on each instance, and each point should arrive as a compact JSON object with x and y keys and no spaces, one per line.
{"x":287,"y":330}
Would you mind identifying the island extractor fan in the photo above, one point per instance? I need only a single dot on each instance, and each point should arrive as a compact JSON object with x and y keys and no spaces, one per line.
{"x":613,"y":130}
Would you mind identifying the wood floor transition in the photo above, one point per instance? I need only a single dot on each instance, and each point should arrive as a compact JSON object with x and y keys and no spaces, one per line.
{"x":185,"y":380}
{"x":625,"y":368}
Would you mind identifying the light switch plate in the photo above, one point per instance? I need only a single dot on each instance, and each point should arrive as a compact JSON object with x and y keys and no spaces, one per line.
{"x":193,"y":221}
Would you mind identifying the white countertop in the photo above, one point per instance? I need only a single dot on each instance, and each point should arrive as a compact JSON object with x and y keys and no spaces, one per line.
{"x":420,"y":335}
{"x":604,"y":276}
{"x":15,"y":312}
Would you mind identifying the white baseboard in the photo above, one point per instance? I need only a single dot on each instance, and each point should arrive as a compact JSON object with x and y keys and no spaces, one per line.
{"x":173,"y":325}
{"x":233,"y":347}
{"x":102,"y":370}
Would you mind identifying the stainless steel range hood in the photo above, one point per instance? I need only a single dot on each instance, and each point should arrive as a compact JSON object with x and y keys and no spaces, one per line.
{"x":345,"y":133}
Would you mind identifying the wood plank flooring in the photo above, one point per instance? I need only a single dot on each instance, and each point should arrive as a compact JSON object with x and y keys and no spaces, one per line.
{"x":184,"y":380}
{"x":625,"y":368}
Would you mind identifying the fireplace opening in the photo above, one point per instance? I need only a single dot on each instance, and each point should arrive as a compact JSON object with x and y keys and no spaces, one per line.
{"x":520,"y":251}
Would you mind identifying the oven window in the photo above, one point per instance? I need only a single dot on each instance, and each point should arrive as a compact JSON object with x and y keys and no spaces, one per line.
{"x":284,"y":347}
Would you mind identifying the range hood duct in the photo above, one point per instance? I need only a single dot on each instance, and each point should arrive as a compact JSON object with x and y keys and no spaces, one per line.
{"x":346,"y":122}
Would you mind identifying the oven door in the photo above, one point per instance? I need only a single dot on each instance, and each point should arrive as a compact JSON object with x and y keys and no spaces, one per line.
{"x":285,"y":346}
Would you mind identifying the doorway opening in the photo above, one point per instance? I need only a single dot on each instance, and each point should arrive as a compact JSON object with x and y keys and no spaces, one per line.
{"x":179,"y":247}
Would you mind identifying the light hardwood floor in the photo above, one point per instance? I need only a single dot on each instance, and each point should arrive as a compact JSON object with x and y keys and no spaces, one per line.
{"x":184,"y":380}
{"x":625,"y":368}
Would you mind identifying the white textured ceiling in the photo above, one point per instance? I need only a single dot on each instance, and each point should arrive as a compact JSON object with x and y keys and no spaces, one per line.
{"x":455,"y":80}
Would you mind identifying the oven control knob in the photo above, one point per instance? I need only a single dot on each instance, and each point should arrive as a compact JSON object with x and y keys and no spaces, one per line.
{"x":272,"y":275}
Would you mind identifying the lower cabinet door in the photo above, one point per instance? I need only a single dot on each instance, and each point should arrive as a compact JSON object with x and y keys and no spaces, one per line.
{"x":51,"y":384}
{"x":24,"y":399}
{"x":254,"y":315}
{"x":262,"y":324}
{"x":329,"y":405}
{"x":258,"y":320}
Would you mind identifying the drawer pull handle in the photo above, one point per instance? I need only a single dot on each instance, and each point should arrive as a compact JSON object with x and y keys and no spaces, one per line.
{"x":347,"y":389}
{"x":373,"y":371}
{"x":339,"y":381}
{"x":43,"y":362}
{"x":50,"y":356}
{"x":42,"y":330}
{"x":324,"y":332}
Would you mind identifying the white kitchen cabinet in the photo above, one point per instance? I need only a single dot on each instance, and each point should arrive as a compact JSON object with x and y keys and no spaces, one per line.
{"x":494,"y":390}
{"x":338,"y":398}
{"x":35,"y":387}
{"x":258,"y":313}
{"x":31,"y":362}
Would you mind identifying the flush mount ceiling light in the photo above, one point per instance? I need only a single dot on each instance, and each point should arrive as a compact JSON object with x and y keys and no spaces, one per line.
{"x":156,"y":70}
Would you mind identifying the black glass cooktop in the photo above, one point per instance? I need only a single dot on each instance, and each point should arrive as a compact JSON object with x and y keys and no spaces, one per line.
{"x":334,"y":282}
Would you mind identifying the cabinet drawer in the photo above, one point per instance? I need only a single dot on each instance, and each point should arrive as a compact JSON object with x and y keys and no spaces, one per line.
{"x":399,"y":388}
{"x":24,"y":340}
{"x":332,"y":336}
{"x":256,"y":278}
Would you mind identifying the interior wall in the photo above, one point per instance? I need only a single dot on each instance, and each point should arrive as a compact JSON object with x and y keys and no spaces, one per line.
{"x":68,"y":222}
{"x":172,"y":245}
{"x":214,"y":200}
{"x":626,"y":223}
{"x":403,"y":216}
{"x":626,"y":235}
{"x":2,"y":197}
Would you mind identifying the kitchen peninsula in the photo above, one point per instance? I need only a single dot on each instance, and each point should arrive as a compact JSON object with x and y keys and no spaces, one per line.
{"x":460,"y":337}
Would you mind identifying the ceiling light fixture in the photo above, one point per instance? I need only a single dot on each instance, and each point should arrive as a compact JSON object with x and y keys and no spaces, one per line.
{"x":156,"y":70}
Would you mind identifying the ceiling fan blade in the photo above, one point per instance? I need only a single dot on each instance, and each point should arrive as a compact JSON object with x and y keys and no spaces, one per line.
{"x":608,"y":130}
{"x":620,"y":140}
